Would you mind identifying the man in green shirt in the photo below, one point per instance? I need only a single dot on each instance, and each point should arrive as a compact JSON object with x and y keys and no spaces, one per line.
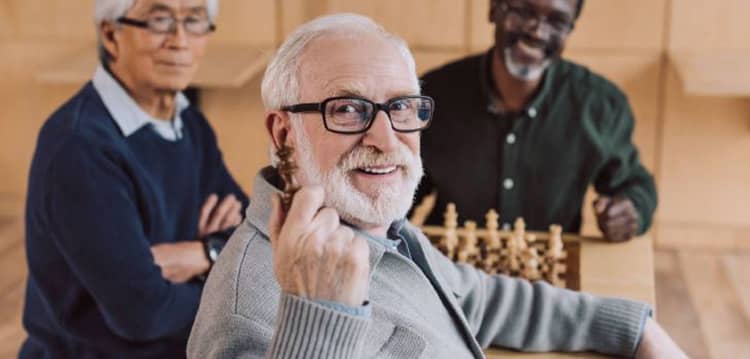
{"x":525,"y":132}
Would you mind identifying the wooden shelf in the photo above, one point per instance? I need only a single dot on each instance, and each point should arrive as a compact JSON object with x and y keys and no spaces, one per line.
{"x":714,"y":73}
{"x":224,"y":66}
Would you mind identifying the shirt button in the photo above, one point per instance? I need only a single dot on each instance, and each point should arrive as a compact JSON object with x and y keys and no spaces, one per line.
{"x":508,"y":183}
{"x":532,"y":112}
{"x":510,"y":139}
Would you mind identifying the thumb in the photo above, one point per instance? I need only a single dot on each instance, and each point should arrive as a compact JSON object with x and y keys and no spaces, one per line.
{"x":276,"y":220}
{"x":601,"y":203}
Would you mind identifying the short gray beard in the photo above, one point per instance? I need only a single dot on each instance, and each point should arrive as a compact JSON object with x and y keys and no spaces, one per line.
{"x":522,"y":71}
{"x":353,"y":206}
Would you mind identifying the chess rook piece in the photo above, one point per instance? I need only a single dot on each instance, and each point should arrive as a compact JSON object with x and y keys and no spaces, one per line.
{"x":287,"y":168}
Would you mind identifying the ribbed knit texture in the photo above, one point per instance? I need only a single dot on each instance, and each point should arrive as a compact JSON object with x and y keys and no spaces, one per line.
{"x":306,"y":329}
{"x":617,"y":326}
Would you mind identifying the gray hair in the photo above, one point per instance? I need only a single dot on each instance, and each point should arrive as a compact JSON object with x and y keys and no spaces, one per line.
{"x":111,"y":10}
{"x":280,"y":85}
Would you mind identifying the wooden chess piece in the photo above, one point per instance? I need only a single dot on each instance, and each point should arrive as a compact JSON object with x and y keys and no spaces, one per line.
{"x":449,"y":242}
{"x":287,"y":167}
{"x":554,"y":254}
{"x":493,"y":246}
{"x":468,"y":248}
{"x":531,"y":264}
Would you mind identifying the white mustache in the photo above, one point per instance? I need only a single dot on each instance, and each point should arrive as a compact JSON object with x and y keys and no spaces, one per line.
{"x":367,"y":156}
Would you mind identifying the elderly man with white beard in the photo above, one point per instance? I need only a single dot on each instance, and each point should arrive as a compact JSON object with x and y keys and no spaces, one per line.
{"x":341,"y":273}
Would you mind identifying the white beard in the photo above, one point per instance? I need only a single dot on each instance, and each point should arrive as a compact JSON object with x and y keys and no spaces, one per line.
{"x":524,"y":72}
{"x":386,"y":205}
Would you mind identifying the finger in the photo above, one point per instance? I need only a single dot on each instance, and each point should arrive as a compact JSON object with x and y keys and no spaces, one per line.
{"x":357,"y":261}
{"x":328,"y":219}
{"x":619,"y":206}
{"x":214,"y":224}
{"x":231,"y":217}
{"x":601,"y":203}
{"x":276,"y":220}
{"x":622,"y":229}
{"x":619,"y":221}
{"x":329,"y":278}
{"x":206,"y":210}
{"x":305,"y":205}
{"x":236,"y":218}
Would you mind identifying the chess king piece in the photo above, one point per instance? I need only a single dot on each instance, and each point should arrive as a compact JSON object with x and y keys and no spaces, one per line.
{"x":493,"y":246}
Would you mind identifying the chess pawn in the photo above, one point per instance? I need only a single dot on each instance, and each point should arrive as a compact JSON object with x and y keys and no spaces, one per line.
{"x":531,"y":264}
{"x":449,"y":242}
{"x":468,"y":248}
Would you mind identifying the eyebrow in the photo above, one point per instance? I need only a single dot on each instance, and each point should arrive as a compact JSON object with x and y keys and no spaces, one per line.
{"x":159,"y":7}
{"x":354,"y":92}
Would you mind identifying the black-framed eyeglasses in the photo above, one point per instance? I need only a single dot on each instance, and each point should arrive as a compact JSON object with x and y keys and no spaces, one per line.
{"x":352,"y":115}
{"x":556,"y":23}
{"x":166,"y":24}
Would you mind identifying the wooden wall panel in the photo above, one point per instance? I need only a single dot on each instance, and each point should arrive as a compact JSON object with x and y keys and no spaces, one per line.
{"x":716,"y":24}
{"x":247,"y":22}
{"x":36,"y":20}
{"x":604,"y":24}
{"x":705,"y":157}
{"x":423,"y":23}
{"x":26,"y":105}
{"x":237,"y":117}
{"x":428,"y":60}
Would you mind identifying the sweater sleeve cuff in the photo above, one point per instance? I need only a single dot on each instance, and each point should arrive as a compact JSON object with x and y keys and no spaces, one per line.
{"x":308,"y":329}
{"x":361,"y":311}
{"x":618,"y":326}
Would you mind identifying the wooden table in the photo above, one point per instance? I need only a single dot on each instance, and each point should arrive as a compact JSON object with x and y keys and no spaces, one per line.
{"x":608,"y":269}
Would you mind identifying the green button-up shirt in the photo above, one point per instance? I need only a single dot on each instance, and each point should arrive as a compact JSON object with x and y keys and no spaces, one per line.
{"x":537,"y":163}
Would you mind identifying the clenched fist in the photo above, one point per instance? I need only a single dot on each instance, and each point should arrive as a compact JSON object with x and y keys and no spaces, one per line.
{"x":314,"y":255}
{"x":617,"y":218}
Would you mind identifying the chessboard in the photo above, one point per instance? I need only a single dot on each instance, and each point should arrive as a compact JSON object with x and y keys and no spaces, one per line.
{"x":550,"y":256}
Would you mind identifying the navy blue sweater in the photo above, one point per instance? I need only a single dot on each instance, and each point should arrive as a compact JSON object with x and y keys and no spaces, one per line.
{"x":97,"y":201}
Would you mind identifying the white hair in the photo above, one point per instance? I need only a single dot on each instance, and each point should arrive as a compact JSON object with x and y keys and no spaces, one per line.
{"x":280,"y":85}
{"x":111,"y":10}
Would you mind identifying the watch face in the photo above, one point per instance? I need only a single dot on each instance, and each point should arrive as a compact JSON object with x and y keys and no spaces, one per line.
{"x":213,"y":252}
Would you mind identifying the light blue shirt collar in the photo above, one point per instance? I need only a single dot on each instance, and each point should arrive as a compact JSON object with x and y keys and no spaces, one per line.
{"x":128,"y":115}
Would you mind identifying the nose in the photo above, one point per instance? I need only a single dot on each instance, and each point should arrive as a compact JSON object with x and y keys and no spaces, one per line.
{"x":178,"y":39}
{"x":381,"y":135}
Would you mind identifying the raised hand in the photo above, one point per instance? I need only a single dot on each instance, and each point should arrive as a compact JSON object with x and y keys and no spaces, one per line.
{"x":314,"y":255}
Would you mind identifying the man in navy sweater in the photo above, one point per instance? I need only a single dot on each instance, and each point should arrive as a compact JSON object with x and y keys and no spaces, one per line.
{"x":126,"y":190}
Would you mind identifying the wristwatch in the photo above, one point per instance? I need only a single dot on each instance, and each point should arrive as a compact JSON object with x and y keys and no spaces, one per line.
{"x":212,"y":246}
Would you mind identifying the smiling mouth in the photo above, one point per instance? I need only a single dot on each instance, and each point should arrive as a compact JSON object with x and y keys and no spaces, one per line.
{"x":383,"y":170}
